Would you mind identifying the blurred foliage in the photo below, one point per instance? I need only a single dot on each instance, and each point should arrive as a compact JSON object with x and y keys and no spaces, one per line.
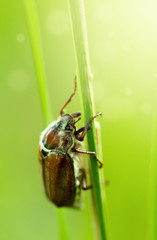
{"x":122,"y":43}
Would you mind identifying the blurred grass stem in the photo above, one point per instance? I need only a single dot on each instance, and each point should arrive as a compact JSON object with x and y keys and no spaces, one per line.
{"x":34,"y":34}
{"x":152,"y":191}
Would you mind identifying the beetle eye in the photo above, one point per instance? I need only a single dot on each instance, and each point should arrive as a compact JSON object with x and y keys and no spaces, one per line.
{"x":68,"y":128}
{"x":58,"y":125}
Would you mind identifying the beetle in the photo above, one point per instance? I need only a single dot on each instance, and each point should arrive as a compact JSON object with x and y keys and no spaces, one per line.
{"x":60,"y":158}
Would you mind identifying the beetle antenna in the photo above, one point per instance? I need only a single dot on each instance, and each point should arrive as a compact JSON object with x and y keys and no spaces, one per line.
{"x":69,"y":99}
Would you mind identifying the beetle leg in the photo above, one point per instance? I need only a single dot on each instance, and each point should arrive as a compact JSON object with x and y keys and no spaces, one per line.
{"x":69,"y":99}
{"x":90,"y":153}
{"x":81,"y":138}
{"x":84,"y":181}
{"x":73,"y":125}
{"x":77,"y":120}
{"x":79,"y":131}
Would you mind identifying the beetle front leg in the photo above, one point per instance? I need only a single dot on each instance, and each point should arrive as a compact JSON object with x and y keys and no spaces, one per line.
{"x":90,"y":153}
{"x":79,"y":131}
{"x":84,"y":180}
{"x":81,"y":137}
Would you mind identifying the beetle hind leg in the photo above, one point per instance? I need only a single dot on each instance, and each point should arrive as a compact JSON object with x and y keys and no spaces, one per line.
{"x":84,"y":180}
{"x":90,"y":153}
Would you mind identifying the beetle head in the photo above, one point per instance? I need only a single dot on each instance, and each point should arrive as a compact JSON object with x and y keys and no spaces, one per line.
{"x":67,"y":122}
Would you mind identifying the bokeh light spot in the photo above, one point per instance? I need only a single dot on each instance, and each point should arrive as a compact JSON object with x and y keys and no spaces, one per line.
{"x":57,"y":22}
{"x":18,"y":80}
{"x":106,"y":51}
{"x":146,"y":108}
{"x":155,"y":78}
{"x":100,"y":91}
{"x":111,"y":34}
{"x":103,"y":12}
{"x":118,"y":108}
{"x":20,"y":37}
{"x":126,"y":47}
{"x":128,"y":91}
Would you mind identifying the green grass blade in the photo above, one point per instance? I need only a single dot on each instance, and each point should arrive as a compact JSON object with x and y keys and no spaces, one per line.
{"x":34,"y":33}
{"x":152,"y":207}
{"x":83,"y":67}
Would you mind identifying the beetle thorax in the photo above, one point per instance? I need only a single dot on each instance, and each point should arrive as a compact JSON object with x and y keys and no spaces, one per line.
{"x":59,"y":136}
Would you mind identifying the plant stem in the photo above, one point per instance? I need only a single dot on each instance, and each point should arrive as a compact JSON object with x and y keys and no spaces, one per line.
{"x":152,"y":193}
{"x":34,"y":34}
{"x":83,"y":68}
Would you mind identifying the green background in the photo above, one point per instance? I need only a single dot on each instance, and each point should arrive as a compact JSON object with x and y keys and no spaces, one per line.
{"x":122,"y":40}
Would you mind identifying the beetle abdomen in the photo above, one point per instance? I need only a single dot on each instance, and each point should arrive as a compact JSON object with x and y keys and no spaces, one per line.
{"x":59,"y":179}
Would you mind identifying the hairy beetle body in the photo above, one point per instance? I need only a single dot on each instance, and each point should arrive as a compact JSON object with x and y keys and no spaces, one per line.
{"x":61,"y":161}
